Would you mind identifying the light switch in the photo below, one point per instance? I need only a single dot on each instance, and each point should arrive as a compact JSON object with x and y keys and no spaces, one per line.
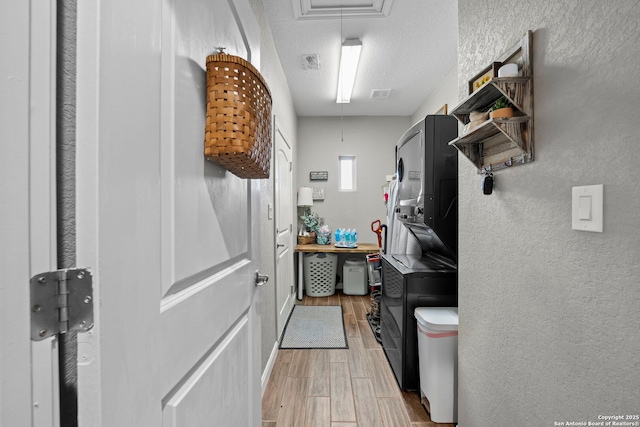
{"x":587,"y":208}
{"x":584,"y":208}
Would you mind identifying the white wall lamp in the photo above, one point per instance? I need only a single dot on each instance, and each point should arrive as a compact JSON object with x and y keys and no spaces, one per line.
{"x":348,"y":66}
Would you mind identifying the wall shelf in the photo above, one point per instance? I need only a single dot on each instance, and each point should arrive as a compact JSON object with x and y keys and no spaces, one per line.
{"x":513,"y":88}
{"x":500,"y":143}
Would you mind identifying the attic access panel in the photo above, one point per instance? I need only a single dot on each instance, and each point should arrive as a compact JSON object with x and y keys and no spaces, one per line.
{"x":331,"y":9}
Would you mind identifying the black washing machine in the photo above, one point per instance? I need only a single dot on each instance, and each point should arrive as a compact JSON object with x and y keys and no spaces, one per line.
{"x":410,"y":281}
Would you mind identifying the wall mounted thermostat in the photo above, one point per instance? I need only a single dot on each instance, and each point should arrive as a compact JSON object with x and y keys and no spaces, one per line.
{"x":587,"y":208}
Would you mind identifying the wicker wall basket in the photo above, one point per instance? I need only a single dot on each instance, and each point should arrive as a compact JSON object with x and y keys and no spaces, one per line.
{"x":238,"y":128}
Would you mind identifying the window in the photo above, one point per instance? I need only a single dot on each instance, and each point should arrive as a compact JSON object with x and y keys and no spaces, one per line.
{"x":347,"y":173}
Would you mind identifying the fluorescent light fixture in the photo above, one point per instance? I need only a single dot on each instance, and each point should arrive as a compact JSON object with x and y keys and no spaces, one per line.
{"x":348,"y":67}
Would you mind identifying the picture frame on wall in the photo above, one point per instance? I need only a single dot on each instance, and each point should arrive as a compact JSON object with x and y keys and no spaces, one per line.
{"x":318,"y":193}
{"x":442,"y":110}
{"x":318,"y":176}
{"x":484,"y":76}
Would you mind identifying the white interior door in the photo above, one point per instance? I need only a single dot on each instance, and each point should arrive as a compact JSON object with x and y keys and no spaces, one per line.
{"x":284,"y":223}
{"x":170,"y":237}
{"x":28,"y":369}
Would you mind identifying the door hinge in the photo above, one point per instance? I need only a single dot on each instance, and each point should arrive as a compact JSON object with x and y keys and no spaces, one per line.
{"x":291,"y":289}
{"x":61,"y":301}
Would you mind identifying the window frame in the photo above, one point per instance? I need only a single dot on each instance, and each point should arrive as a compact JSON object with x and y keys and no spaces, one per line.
{"x":353,"y":170}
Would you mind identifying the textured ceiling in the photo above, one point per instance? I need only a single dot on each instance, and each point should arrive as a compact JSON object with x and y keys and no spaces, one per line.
{"x":409,"y":51}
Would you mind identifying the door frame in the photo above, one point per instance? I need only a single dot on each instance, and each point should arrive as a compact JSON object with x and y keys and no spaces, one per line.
{"x":278,"y":130}
{"x":29,"y":369}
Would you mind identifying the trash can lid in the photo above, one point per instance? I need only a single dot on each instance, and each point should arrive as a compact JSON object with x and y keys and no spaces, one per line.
{"x":354,"y":261}
{"x":437,"y":318}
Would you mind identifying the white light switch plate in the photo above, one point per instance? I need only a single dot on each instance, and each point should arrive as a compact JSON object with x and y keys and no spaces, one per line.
{"x":587,"y":206}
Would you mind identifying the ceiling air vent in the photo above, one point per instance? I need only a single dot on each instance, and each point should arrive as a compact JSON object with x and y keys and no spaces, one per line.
{"x":380,"y":93}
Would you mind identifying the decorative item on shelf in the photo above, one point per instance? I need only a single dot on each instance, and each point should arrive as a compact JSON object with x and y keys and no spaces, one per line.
{"x":508,"y":70}
{"x":323,"y":235}
{"x":238,"y":121}
{"x":476,"y":118}
{"x":306,"y":236}
{"x":307,"y":240}
{"x":483,"y":77}
{"x":502,"y":109}
{"x":309,"y":230}
{"x":311,"y":221}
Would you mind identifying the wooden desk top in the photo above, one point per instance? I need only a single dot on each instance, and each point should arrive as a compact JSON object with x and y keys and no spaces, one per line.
{"x":363,"y":248}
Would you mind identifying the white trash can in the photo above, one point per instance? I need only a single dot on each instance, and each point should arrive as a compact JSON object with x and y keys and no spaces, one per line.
{"x":354,"y":277}
{"x":438,"y":360}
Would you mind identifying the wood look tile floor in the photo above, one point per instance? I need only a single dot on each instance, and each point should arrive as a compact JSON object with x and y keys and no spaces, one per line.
{"x":340,"y":388}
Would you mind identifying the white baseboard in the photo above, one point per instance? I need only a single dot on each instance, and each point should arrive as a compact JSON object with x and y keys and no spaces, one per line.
{"x":267,"y":369}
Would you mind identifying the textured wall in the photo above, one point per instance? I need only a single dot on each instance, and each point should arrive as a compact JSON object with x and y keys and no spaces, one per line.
{"x":549,"y":316}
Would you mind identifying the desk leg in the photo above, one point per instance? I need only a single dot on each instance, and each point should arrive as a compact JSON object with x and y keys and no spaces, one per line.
{"x":300,"y":276}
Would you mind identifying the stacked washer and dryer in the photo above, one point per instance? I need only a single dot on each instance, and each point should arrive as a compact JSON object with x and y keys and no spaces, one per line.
{"x":420,"y":266}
